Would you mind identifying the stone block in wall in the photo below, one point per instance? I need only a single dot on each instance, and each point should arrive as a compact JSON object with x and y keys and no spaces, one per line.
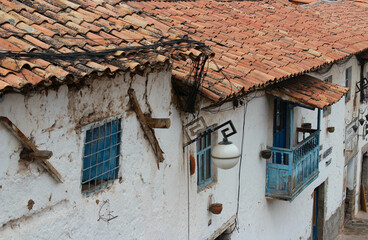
{"x":334,"y":224}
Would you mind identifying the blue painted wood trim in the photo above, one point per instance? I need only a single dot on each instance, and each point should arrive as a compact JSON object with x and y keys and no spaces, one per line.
{"x":291,"y":112}
{"x":202,"y":151}
{"x":287,"y":181}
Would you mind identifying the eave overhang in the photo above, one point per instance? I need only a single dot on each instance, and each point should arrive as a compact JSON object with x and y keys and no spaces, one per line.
{"x":308,"y":91}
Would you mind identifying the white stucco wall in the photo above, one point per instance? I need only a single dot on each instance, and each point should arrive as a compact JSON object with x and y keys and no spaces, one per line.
{"x":146,"y":200}
{"x":152,"y":203}
{"x":342,"y":113}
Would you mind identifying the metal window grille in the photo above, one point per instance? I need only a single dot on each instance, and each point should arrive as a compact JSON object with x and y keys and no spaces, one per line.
{"x":101,"y":154}
{"x":204,"y":161}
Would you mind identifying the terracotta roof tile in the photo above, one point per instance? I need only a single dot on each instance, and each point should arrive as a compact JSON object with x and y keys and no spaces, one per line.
{"x":5,"y":17}
{"x":24,"y":46}
{"x":55,"y":16}
{"x":54,"y":27}
{"x":29,"y":76}
{"x":14,"y":81}
{"x":87,"y":15}
{"x":9,"y":5}
{"x":25,"y":27}
{"x":71,"y":17}
{"x":4,"y":72}
{"x":36,"y":42}
{"x":59,"y":29}
{"x":6,"y":45}
{"x":20,"y":17}
{"x":36,"y":17}
{"x":69,"y":4}
{"x":76,"y":27}
{"x":105,"y":13}
{"x":273,"y":40}
{"x":308,"y":91}
{"x":256,"y":42}
{"x":42,"y":6}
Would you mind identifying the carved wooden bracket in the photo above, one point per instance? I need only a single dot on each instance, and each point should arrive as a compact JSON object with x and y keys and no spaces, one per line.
{"x":147,"y":123}
{"x":30,"y":151}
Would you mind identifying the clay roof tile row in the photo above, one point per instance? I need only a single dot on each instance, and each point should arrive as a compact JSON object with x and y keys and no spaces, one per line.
{"x":68,"y":26}
{"x":256,"y":43}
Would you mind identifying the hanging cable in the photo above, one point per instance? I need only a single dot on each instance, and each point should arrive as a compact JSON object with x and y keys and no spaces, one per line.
{"x":97,"y":54}
{"x":239,"y":173}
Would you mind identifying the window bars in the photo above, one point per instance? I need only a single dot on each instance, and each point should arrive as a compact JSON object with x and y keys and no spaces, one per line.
{"x":101,"y":154}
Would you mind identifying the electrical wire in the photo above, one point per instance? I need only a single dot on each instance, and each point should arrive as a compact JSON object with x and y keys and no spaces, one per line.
{"x":225,"y":76}
{"x":188,"y":189}
{"x":216,"y":109}
{"x":239,"y":173}
{"x":97,"y":54}
{"x":64,"y":36}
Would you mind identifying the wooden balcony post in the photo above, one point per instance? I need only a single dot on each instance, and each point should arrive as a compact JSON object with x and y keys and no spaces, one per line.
{"x":291,"y":108}
{"x":318,"y":123}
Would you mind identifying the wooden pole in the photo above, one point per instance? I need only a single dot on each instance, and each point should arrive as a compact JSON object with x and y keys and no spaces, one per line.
{"x":363,"y":201}
{"x":31,"y":152}
{"x":146,"y":128}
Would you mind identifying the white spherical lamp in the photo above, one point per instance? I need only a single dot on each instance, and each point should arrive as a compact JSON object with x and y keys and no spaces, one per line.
{"x":225,"y":155}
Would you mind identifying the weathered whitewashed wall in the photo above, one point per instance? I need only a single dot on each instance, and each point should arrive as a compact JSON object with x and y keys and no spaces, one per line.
{"x":363,"y":141}
{"x":149,"y":203}
{"x":341,"y":114}
{"x":261,"y":218}
{"x":152,"y":203}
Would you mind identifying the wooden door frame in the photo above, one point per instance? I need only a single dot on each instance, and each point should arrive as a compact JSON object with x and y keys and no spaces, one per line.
{"x":320,"y":200}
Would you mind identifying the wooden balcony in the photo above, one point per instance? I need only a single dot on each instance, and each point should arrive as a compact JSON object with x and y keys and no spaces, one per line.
{"x":289,"y":171}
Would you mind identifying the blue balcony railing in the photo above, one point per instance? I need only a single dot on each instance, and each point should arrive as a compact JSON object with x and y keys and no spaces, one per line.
{"x":289,"y":171}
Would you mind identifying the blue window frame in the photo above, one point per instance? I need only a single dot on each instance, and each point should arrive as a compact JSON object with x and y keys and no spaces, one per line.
{"x":101,"y":155}
{"x":204,"y":161}
{"x":348,"y":75}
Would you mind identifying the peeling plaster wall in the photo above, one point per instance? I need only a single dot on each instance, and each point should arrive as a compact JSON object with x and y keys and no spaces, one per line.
{"x":146,"y":200}
{"x":269,"y":219}
{"x":152,"y":203}
{"x":259,"y":218}
{"x":342,"y":113}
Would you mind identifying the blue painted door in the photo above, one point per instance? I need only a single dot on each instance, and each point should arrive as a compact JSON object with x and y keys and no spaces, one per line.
{"x":279,"y":124}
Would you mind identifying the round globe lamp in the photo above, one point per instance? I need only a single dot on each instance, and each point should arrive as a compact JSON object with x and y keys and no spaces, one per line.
{"x":225,"y":155}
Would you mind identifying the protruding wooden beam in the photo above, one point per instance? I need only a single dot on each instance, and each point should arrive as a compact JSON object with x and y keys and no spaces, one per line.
{"x":50,"y":168}
{"x":18,"y":134}
{"x":158,"y":122}
{"x":30,"y":151}
{"x":36,"y":155}
{"x":149,"y":133}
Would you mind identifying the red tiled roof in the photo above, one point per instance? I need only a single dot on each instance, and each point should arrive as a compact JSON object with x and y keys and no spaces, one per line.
{"x":308,"y":91}
{"x":77,"y":26}
{"x":258,"y":43}
{"x":349,"y":15}
{"x":304,"y":1}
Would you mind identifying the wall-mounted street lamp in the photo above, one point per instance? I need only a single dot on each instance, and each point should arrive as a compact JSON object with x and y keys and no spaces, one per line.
{"x":225,"y":154}
{"x":362,"y":122}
